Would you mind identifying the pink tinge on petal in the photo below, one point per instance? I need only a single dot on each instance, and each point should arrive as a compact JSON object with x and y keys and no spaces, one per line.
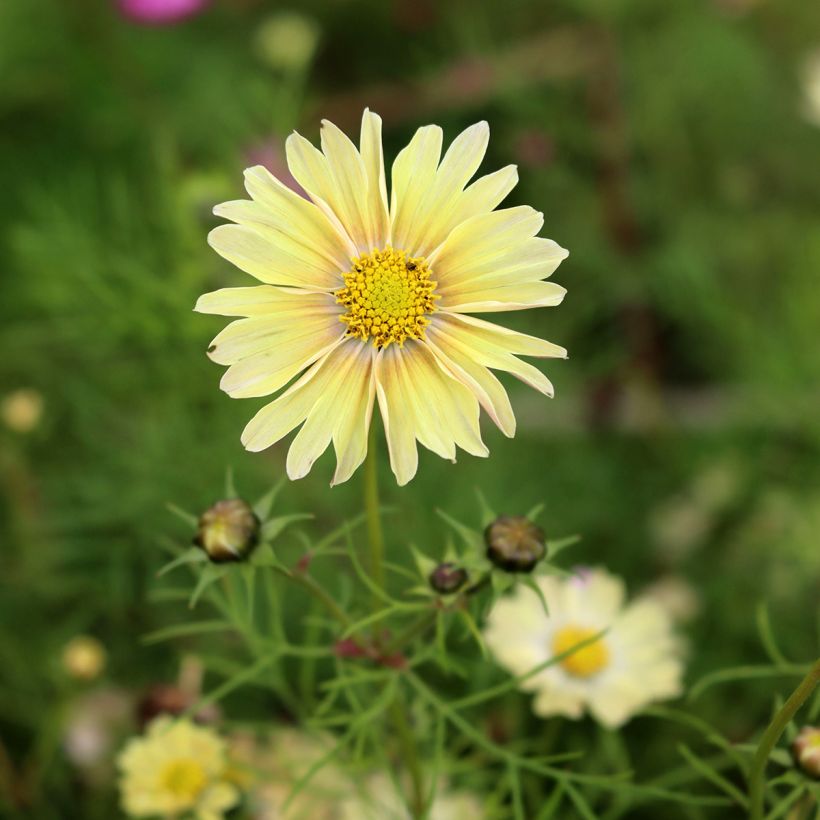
{"x":161,"y":11}
{"x":581,"y":576}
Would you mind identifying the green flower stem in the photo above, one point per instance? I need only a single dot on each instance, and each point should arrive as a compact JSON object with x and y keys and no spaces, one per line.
{"x":374,"y":521}
{"x":418,"y":627}
{"x":410,"y":756}
{"x":321,"y":595}
{"x":398,"y":715}
{"x":772,"y":735}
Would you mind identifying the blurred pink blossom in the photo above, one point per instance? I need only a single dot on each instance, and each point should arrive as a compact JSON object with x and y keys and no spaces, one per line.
{"x":270,"y":154}
{"x":159,"y":12}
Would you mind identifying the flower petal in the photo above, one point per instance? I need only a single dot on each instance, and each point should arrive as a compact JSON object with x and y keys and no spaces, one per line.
{"x":499,"y":300}
{"x":493,"y":346}
{"x":285,"y":208}
{"x":370,"y":146}
{"x":292,"y":314}
{"x":277,"y":419}
{"x":275,"y":262}
{"x":355,"y":409}
{"x":351,"y":369}
{"x":413,"y":172}
{"x":483,"y":240}
{"x":311,"y":170}
{"x":486,"y":387}
{"x":420,"y":399}
{"x":272,"y":368}
{"x":433,"y":221}
{"x":527,"y":260}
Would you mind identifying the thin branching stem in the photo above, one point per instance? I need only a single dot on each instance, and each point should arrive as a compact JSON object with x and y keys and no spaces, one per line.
{"x":772,"y":734}
{"x":321,"y":595}
{"x":397,"y":710}
{"x":375,"y":536}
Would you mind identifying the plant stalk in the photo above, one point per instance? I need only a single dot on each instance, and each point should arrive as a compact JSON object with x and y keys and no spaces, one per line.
{"x":375,"y":536}
{"x":772,"y":734}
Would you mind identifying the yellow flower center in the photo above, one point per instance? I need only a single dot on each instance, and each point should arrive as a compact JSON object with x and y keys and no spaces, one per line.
{"x":585,"y":662}
{"x":387,"y":295}
{"x":183,"y":778}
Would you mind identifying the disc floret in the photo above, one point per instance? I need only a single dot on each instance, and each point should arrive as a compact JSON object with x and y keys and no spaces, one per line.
{"x":388,"y":296}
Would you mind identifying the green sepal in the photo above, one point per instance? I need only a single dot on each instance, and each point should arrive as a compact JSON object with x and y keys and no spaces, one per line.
{"x":210,"y":573}
{"x":192,"y":555}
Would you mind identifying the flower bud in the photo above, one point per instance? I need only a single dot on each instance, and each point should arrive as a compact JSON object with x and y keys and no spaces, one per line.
{"x":514,"y":543}
{"x":447,"y":578}
{"x":806,"y":750}
{"x":83,"y":657}
{"x":228,"y":531}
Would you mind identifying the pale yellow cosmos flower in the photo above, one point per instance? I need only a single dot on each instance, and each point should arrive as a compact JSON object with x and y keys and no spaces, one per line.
{"x":369,"y":301}
{"x":634,"y":662}
{"x":176,"y":768}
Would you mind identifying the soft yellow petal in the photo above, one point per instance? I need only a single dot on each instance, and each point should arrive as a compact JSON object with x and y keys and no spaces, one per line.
{"x":432,"y":222}
{"x":492,"y":347}
{"x":519,"y":263}
{"x":277,"y":419}
{"x":413,"y":172}
{"x":311,"y":170}
{"x":355,"y":409}
{"x":323,"y":417}
{"x":554,"y":701}
{"x":399,"y":425}
{"x":296,"y":315}
{"x":487,"y":388}
{"x":482,"y":196}
{"x":499,"y":300}
{"x":271,"y":261}
{"x":420,"y":399}
{"x":272,"y":368}
{"x":351,"y":187}
{"x":483,"y":240}
{"x":370,"y":146}
{"x":258,"y":300}
{"x":521,"y":344}
{"x":284,"y":207}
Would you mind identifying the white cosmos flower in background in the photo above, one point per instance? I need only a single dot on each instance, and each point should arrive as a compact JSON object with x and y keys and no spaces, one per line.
{"x":811,"y":87}
{"x":369,"y":301}
{"x":634,"y":662}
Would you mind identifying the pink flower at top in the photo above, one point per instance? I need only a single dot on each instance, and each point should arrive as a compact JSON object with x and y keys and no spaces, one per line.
{"x":159,"y":12}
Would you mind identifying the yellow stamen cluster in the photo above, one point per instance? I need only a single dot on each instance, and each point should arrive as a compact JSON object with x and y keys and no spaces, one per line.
{"x":183,"y":778}
{"x":585,"y":662}
{"x":387,"y":295}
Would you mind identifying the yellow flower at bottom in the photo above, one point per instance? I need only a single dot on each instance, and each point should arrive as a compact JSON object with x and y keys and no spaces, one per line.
{"x":365,"y":299}
{"x":176,"y":767}
{"x":610,"y":657}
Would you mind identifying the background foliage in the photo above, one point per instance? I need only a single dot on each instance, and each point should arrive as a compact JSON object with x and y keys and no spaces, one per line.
{"x":667,"y":146}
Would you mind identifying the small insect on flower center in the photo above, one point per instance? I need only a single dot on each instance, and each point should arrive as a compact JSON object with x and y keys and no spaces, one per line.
{"x":388,"y":296}
{"x":183,"y":778}
{"x":585,"y":662}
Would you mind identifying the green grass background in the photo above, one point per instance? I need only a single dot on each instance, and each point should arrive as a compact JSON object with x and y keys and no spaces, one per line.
{"x":670,"y":156}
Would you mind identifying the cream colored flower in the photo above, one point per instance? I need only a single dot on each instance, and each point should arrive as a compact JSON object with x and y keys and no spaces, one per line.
{"x":270,"y":768}
{"x":84,"y":657}
{"x":22,"y":410}
{"x":176,"y":767}
{"x":363,"y":301}
{"x":811,"y":87}
{"x":635,"y":662}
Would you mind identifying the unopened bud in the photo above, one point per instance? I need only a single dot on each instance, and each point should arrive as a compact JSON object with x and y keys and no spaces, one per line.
{"x":447,"y":578}
{"x":228,"y":531}
{"x":514,"y":543}
{"x":806,"y":750}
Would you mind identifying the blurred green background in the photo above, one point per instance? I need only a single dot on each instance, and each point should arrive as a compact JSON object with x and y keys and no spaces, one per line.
{"x":674,"y":150}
